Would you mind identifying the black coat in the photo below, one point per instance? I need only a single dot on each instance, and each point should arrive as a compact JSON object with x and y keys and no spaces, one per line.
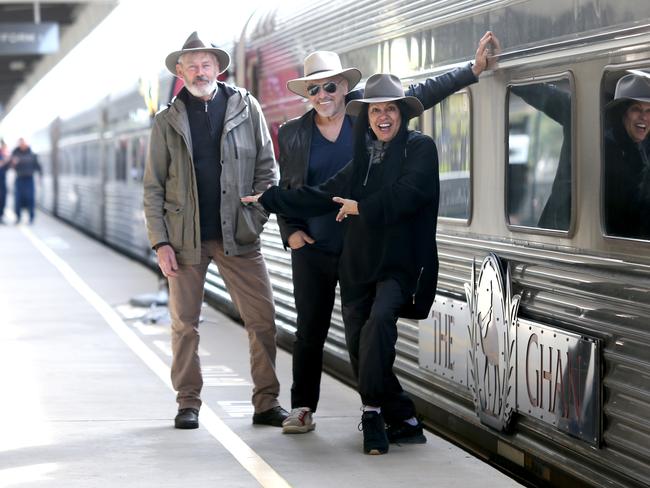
{"x":626,"y":210}
{"x":394,"y":234}
{"x":294,"y":137}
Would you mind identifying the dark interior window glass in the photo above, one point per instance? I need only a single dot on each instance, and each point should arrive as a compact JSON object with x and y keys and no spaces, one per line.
{"x":539,"y":155}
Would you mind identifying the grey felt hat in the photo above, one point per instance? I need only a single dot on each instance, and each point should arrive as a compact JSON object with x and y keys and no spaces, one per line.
{"x":194,"y":44}
{"x":631,"y":88}
{"x":383,"y":87}
{"x":319,"y":65}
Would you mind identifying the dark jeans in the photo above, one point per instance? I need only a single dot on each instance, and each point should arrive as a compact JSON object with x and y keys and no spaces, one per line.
{"x":3,"y":192}
{"x":24,"y":195}
{"x":370,"y":317}
{"x":315,"y":275}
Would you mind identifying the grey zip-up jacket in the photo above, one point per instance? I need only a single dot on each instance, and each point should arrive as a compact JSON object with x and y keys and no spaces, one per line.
{"x":248,"y":166}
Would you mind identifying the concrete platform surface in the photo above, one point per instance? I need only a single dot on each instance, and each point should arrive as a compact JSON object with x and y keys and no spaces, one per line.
{"x":86,"y":399}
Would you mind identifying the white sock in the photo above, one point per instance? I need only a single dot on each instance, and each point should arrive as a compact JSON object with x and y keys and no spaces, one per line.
{"x":412,"y":421}
{"x":367,"y":408}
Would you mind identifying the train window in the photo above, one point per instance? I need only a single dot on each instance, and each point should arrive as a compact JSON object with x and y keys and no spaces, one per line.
{"x":93,"y":157}
{"x":625,"y":101}
{"x":539,"y":175}
{"x":138,"y":155}
{"x":451,"y":130}
{"x":121,"y":155}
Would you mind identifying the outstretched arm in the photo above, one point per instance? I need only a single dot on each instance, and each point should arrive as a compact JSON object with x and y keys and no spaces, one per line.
{"x":434,"y":90}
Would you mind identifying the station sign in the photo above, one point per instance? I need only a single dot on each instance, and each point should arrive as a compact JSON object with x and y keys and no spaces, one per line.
{"x":28,"y":38}
{"x":513,"y":365}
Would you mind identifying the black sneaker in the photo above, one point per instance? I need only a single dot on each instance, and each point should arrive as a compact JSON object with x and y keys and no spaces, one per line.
{"x":273,"y":417}
{"x":405,"y":433}
{"x":187,"y":418}
{"x":375,"y":440}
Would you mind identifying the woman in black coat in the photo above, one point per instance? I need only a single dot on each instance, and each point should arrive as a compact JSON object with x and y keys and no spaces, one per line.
{"x":387,"y":200}
{"x":627,"y":164}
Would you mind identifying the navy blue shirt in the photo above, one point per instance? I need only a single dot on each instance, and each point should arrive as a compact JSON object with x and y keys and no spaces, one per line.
{"x":206,"y":125}
{"x":326,"y":158}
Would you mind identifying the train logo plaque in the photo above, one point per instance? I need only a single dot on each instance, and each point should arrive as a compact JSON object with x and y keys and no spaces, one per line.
{"x":510,"y":364}
{"x":492,"y":342}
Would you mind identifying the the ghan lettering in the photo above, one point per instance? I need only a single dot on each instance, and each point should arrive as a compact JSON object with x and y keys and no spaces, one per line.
{"x":443,"y":324}
{"x":553,"y":375}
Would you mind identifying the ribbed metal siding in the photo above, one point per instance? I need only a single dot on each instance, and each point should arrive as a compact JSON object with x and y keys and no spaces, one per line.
{"x":79,"y":203}
{"x":124,"y":219}
{"x":594,"y":296}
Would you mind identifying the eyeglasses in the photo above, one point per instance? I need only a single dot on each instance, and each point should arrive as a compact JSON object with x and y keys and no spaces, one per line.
{"x":329,"y":87}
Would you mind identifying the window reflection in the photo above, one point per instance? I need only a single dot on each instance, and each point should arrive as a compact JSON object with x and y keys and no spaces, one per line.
{"x":539,"y":155}
{"x":451,"y":131}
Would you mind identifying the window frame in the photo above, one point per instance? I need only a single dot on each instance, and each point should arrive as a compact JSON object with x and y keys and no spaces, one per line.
{"x":534,"y":79}
{"x":608,"y":69}
{"x":427,"y":128}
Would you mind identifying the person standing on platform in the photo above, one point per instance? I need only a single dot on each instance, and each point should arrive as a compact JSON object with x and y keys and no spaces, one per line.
{"x":313,"y":148}
{"x":4,"y":165}
{"x":208,"y":148}
{"x":25,"y":163}
{"x":390,"y":190}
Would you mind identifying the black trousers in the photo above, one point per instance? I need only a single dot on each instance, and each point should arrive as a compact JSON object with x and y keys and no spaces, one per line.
{"x":315,"y":274}
{"x":24,"y":196}
{"x":370,"y":317}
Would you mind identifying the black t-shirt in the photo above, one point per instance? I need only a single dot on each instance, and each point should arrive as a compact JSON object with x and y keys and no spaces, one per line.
{"x":326,"y":158}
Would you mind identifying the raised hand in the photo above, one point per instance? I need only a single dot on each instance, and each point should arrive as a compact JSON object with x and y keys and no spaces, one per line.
{"x":482,"y":52}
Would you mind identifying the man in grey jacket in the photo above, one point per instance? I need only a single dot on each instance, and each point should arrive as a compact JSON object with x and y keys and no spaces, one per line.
{"x":210,"y":147}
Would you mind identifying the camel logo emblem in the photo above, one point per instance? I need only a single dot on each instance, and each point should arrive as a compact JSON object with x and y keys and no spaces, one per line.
{"x":492,"y":336}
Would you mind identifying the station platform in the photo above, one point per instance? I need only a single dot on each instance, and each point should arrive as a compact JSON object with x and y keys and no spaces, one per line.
{"x":87,"y":400}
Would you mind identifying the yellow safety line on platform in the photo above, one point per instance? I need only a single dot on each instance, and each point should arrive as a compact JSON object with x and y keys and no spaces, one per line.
{"x":248,"y":458}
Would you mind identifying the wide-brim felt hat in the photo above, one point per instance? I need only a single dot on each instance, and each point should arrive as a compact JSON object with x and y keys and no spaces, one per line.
{"x":383,"y":87}
{"x":195,"y":44}
{"x":319,"y":65}
{"x":631,"y":88}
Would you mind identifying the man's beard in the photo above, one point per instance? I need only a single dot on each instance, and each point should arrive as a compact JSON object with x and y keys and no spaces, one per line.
{"x":201,"y":91}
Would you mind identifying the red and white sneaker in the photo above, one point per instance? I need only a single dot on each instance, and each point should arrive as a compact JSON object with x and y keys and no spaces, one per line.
{"x":299,"y":421}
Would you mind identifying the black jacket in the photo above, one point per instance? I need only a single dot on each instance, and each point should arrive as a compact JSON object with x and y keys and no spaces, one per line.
{"x":25,"y":163}
{"x":626,"y":210}
{"x":294,"y":137}
{"x":394,"y":234}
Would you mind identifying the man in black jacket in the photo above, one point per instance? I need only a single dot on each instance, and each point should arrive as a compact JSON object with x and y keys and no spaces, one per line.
{"x":313,"y":148}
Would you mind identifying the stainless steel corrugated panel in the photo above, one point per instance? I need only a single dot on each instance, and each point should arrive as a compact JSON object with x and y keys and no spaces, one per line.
{"x":129,"y":235}
{"x":356,"y":24}
{"x":593,"y":296}
{"x":77,"y":204}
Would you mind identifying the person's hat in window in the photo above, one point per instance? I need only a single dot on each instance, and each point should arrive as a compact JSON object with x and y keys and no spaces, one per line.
{"x":631,"y":88}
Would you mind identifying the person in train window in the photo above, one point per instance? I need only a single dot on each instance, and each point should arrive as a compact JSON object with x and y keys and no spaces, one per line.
{"x":4,"y":165}
{"x":390,"y":191}
{"x":627,"y":166}
{"x":312,"y":148}
{"x":25,"y":163}
{"x":208,"y":147}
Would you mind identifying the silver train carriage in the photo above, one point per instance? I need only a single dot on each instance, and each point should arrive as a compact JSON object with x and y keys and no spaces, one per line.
{"x":535,"y":354}
{"x":93,"y":164}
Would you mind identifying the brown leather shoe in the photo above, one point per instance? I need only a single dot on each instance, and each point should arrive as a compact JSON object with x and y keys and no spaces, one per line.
{"x":273,"y":416}
{"x":187,"y":418}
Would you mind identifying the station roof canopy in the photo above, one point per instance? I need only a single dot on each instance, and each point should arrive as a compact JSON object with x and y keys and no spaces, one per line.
{"x":36,"y":35}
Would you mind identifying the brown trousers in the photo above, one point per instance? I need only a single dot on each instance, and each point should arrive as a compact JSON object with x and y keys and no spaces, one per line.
{"x":248,"y":283}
